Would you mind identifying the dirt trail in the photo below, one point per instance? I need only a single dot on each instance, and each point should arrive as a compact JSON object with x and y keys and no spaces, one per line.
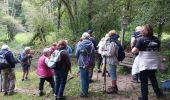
{"x":127,"y":90}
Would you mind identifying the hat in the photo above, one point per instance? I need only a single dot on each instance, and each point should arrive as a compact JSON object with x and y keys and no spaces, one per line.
{"x":46,"y":50}
{"x":27,"y":48}
{"x":138,"y":29}
{"x":85,"y":35}
{"x":4,"y":46}
{"x":90,"y":31}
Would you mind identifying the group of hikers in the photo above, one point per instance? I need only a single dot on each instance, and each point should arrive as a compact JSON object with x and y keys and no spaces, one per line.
{"x":55,"y":62}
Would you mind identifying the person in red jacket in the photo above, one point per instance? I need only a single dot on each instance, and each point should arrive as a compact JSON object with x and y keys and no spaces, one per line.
{"x":43,"y":71}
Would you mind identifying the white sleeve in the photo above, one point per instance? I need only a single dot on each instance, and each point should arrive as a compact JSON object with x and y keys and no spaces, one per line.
{"x":46,"y":60}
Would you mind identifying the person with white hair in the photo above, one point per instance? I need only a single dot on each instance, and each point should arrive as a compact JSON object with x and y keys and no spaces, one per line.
{"x":7,"y":70}
{"x":44,"y":72}
{"x":25,"y":59}
{"x":85,"y":54}
{"x":135,"y":36}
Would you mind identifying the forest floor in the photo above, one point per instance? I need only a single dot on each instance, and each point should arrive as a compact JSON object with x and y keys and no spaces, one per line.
{"x":128,"y":90}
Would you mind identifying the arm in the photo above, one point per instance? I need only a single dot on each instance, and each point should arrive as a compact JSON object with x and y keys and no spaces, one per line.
{"x":10,"y":58}
{"x":77,"y":53}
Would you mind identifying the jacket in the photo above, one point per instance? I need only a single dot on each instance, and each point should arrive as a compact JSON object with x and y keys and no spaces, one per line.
{"x":9,"y":57}
{"x":82,"y":47}
{"x":109,"y":51}
{"x":42,"y":69}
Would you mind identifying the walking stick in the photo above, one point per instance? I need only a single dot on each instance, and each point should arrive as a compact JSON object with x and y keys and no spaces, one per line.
{"x":0,"y":81}
{"x":104,"y":74}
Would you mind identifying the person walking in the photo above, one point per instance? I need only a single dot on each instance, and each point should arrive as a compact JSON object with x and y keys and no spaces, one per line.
{"x":62,"y":66}
{"x":92,"y":39}
{"x":147,"y":61}
{"x":25,"y":59}
{"x":8,"y":72}
{"x":85,"y":55}
{"x":44,"y":72}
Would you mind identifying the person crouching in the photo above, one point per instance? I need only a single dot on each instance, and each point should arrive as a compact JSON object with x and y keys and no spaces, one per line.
{"x":43,"y":71}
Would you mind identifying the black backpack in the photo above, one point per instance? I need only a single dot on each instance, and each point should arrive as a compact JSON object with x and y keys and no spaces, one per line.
{"x":3,"y":62}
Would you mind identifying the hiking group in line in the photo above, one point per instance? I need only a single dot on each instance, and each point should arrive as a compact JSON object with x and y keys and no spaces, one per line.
{"x":55,"y":62}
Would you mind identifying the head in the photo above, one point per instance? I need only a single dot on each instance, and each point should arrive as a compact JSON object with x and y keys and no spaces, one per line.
{"x":85,"y":35}
{"x":138,"y":29}
{"x":47,"y":52}
{"x":66,"y":42}
{"x":62,"y":44}
{"x":27,"y":50}
{"x":147,"y":30}
{"x":90,"y":31}
{"x":4,"y":46}
{"x":111,"y":33}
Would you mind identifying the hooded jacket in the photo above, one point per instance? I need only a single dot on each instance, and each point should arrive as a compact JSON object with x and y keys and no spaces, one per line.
{"x":84,"y":47}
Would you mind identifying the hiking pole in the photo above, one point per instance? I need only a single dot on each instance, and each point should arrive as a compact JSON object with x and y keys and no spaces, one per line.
{"x":104,"y":74}
{"x":0,"y":81}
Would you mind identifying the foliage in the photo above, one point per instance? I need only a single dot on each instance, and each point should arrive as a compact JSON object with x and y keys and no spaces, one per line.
{"x":37,"y":19}
{"x":13,"y":26}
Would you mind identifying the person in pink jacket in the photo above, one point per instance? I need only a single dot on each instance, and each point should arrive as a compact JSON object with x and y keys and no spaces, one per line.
{"x":43,"y":71}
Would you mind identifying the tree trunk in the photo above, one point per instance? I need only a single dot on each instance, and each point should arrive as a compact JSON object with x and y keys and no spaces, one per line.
{"x":71,"y":15}
{"x":13,"y":9}
{"x":6,"y":7}
{"x":160,"y":29}
{"x":59,"y":15}
{"x":90,"y":11}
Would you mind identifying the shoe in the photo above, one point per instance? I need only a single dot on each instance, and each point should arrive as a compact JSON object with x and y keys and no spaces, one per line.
{"x":5,"y":93}
{"x":140,"y":98}
{"x":40,"y":93}
{"x":91,"y":81}
{"x":99,"y":71}
{"x":59,"y":98}
{"x":26,"y":78}
{"x":22,"y":79}
{"x":112,"y":90}
{"x":10,"y":93}
{"x":83,"y":95}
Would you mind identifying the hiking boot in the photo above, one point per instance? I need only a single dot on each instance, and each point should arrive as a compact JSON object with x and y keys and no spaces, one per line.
{"x":112,"y":90}
{"x":40,"y":93}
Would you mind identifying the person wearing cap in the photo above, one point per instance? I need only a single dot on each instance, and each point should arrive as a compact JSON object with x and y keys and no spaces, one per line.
{"x":43,"y":71}
{"x":92,"y":39}
{"x":135,"y":36}
{"x":8,"y":72}
{"x":84,"y":48}
{"x":25,"y":59}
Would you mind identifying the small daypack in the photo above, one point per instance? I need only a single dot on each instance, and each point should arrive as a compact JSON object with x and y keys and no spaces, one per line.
{"x":120,"y":52}
{"x":3,"y":62}
{"x":89,"y":58}
{"x":55,"y":60}
{"x":166,"y":85}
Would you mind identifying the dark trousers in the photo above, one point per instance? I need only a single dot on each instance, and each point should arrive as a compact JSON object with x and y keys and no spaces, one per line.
{"x":99,"y":61}
{"x":60,"y":82}
{"x":48,"y":79}
{"x":144,"y":75}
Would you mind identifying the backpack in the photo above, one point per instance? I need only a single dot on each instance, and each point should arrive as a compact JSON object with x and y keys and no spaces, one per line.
{"x":166,"y":85}
{"x":89,"y":59}
{"x":120,"y":51}
{"x":55,"y":60}
{"x":3,"y":62}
